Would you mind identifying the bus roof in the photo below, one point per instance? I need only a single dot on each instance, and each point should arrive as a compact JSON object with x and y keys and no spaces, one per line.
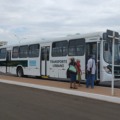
{"x":76,"y":36}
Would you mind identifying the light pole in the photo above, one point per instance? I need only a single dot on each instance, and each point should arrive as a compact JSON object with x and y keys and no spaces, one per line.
{"x":113,"y":36}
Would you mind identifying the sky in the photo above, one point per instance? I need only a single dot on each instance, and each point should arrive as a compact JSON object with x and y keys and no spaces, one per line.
{"x":29,"y":20}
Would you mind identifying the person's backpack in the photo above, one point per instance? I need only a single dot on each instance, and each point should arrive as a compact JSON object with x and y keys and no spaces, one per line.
{"x":72,"y":69}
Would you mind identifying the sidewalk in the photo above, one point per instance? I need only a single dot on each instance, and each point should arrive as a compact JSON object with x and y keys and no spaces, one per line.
{"x":101,"y":93}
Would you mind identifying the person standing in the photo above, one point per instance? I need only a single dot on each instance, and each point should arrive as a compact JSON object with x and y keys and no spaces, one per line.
{"x":91,"y":69}
{"x":79,"y":72}
{"x":73,"y":71}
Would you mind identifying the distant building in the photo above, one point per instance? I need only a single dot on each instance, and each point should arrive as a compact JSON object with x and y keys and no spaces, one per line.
{"x":3,"y":43}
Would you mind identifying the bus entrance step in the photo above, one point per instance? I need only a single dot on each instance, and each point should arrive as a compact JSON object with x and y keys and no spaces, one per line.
{"x":43,"y":76}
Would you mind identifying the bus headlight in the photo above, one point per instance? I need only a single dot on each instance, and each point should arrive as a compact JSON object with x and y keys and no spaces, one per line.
{"x":107,"y":69}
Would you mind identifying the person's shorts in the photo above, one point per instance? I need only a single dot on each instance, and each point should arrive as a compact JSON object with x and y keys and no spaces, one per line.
{"x":73,"y":77}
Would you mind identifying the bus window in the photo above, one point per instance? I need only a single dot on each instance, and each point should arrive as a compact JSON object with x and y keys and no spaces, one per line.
{"x":42,"y":53}
{"x":106,"y":46}
{"x":34,"y":50}
{"x":59,"y":48}
{"x":48,"y":50}
{"x":23,"y":52}
{"x":45,"y":53}
{"x":76,"y":47}
{"x":3,"y":53}
{"x":15,"y":52}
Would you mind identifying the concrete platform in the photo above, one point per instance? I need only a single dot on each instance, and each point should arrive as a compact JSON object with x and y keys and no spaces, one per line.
{"x":100,"y":93}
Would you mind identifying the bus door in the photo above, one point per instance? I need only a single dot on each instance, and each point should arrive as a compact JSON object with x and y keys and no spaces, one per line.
{"x":93,"y":48}
{"x":44,"y":63}
{"x":8,"y":59}
{"x":98,"y":61}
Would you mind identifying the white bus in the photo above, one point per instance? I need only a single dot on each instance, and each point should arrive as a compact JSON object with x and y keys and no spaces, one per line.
{"x":50,"y":58}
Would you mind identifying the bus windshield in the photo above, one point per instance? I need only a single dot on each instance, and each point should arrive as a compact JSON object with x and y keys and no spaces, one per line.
{"x":107,"y":52}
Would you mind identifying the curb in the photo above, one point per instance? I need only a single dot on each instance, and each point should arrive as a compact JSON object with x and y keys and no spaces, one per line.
{"x":65,"y":91}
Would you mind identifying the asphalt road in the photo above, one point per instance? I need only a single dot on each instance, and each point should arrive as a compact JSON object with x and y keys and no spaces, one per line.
{"x":22,"y":103}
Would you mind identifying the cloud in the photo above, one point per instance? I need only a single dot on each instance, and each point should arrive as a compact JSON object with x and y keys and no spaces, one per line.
{"x":33,"y":19}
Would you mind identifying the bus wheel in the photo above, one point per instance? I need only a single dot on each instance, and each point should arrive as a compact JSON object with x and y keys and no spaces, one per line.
{"x":19,"y":72}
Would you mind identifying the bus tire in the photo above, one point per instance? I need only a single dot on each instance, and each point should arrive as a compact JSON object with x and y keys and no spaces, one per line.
{"x":19,"y":72}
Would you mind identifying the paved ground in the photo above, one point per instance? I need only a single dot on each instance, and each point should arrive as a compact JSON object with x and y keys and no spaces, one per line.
{"x":23,"y":103}
{"x":105,"y":84}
